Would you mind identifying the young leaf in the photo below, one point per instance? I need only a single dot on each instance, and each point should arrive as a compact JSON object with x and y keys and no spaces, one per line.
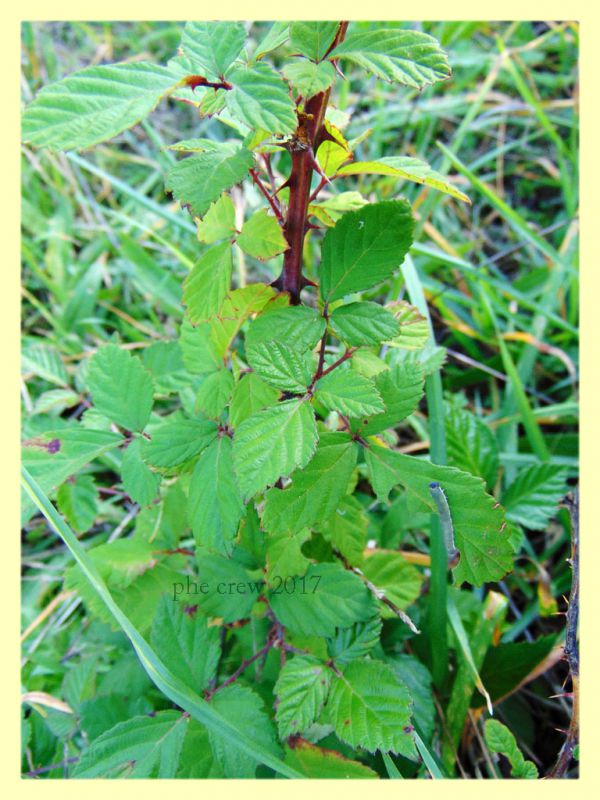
{"x":246,"y":710}
{"x":121,"y":388}
{"x":406,"y":168}
{"x":500,"y":740}
{"x":95,"y":104}
{"x":532,"y":499}
{"x":326,"y":598}
{"x":390,"y":573}
{"x":177,"y":440}
{"x":262,"y":236}
{"x":316,"y":490}
{"x":363,"y":324}
{"x":301,"y":325}
{"x":401,"y":389}
{"x":218,"y":222}
{"x":212,"y":47}
{"x":284,"y":556}
{"x":140,"y":483}
{"x":355,"y":642}
{"x":313,"y":39}
{"x":198,"y":181}
{"x":346,"y":529}
{"x":78,"y":501}
{"x":309,"y":79}
{"x":408,"y":57}
{"x":185,"y":643}
{"x":215,"y":504}
{"x":251,"y":394}
{"x":206,"y":286}
{"x":226,"y":587}
{"x":260,"y":99}
{"x":301,"y":688}
{"x":365,"y":247}
{"x":316,"y":762}
{"x":280,"y":365}
{"x":272,"y":443}
{"x":485,"y":548}
{"x":142,"y":747}
{"x":471,"y":445}
{"x":414,"y":328}
{"x":370,"y":707}
{"x":214,"y":393}
{"x":349,"y":393}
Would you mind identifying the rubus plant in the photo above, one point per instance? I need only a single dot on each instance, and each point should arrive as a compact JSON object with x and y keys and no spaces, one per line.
{"x":261,"y":443}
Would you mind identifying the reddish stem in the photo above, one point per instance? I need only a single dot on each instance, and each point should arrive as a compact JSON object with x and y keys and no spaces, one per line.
{"x":270,"y":199}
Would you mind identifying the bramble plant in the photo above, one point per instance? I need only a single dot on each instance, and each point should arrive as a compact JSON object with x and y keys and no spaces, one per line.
{"x":262,"y":443}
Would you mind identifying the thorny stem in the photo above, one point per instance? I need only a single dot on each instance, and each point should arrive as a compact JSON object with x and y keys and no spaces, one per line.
{"x":302,"y":148}
{"x":571,"y":652}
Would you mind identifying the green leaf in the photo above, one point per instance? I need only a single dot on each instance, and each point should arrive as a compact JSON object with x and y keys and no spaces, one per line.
{"x":349,"y":393}
{"x":142,"y":747}
{"x":177,"y":440}
{"x":163,"y":678}
{"x":363,"y":324}
{"x":218,"y":222}
{"x":164,"y":361}
{"x":54,"y":456}
{"x":245,"y":709}
{"x":236,"y":309}
{"x":407,"y":168}
{"x":215,"y":503}
{"x":331,"y":209}
{"x":262,"y":236}
{"x":277,"y":34}
{"x":408,"y":57}
{"x":355,"y":642}
{"x":185,"y":643}
{"x":370,"y":708}
{"x":95,"y":104}
{"x":78,"y":501}
{"x":301,"y":688}
{"x":309,"y":79}
{"x":196,"y":759}
{"x":199,"y":180}
{"x":45,"y":361}
{"x":212,"y":46}
{"x":313,"y":39}
{"x":273,"y":443}
{"x":414,"y":328}
{"x":326,"y":598}
{"x":284,"y":556}
{"x":226,"y":587}
{"x":365,"y":247}
{"x":251,"y":394}
{"x":485,"y":548}
{"x":260,"y":99}
{"x":417,"y":678}
{"x":316,"y":490}
{"x":532,"y":498}
{"x":140,"y":483}
{"x":316,"y":762}
{"x":346,"y":529}
{"x":200,"y":352}
{"x":121,"y":388}
{"x":207,"y":285}
{"x":500,"y":740}
{"x":390,"y":573}
{"x":302,"y":325}
{"x":470,"y":444}
{"x":280,"y":365}
{"x":401,"y":389}
{"x":215,"y":393}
